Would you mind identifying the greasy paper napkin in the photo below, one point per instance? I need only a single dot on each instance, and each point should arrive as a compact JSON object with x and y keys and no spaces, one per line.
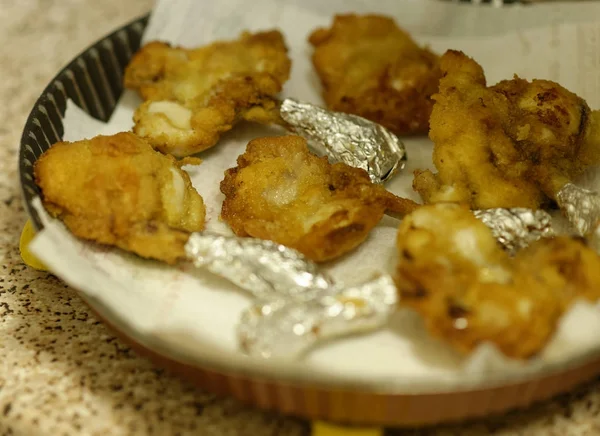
{"x":192,"y":315}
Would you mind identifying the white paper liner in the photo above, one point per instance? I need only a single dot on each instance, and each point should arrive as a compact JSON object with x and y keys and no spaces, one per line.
{"x":192,"y":314}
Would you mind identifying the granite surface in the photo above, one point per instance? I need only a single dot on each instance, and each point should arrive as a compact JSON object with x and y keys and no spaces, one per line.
{"x":62,"y":372}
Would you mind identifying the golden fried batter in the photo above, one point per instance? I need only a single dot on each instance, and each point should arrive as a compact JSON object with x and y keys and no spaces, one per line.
{"x":193,"y":96}
{"x":468,"y":290}
{"x":117,"y":190}
{"x":370,"y":67}
{"x":514,"y":144}
{"x":281,"y":192}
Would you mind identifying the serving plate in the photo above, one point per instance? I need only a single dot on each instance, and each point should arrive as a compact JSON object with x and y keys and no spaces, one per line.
{"x":93,"y":81}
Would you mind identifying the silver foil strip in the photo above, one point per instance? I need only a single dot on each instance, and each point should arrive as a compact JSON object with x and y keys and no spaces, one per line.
{"x":581,"y":207}
{"x":267,"y":270}
{"x":347,"y":138}
{"x":287,"y":328}
{"x":516,"y":228}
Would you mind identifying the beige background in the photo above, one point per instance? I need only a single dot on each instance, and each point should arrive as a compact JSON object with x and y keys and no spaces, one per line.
{"x":61,"y":371}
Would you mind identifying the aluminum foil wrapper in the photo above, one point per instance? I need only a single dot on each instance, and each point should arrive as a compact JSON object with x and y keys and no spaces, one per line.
{"x":516,"y":228}
{"x":347,"y":138}
{"x":287,"y":328}
{"x":267,"y":270}
{"x":581,"y":207}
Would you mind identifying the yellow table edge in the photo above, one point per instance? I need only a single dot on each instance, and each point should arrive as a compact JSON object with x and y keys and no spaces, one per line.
{"x":320,"y":428}
{"x":30,"y":259}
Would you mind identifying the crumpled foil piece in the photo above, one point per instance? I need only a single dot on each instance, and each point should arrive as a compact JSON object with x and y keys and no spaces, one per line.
{"x":347,"y":138}
{"x":581,"y":207}
{"x":287,"y":328}
{"x":299,"y":305}
{"x":516,"y":228}
{"x":269,"y":271}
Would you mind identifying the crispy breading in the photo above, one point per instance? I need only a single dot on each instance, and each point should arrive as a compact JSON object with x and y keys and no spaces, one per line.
{"x":117,"y":190}
{"x":192,"y":96}
{"x":468,"y":290}
{"x":370,"y":67}
{"x":514,"y":144}
{"x":282,"y":192}
{"x":565,"y":261}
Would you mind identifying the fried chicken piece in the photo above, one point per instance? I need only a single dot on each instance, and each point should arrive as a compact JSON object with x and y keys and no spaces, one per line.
{"x":116,"y":190}
{"x":468,"y":290}
{"x":370,"y":67}
{"x":193,"y":96}
{"x":568,"y":262}
{"x":514,"y":144}
{"x":281,"y":192}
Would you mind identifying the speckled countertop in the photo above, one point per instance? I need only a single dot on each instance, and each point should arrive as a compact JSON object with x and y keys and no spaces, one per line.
{"x":61,"y":371}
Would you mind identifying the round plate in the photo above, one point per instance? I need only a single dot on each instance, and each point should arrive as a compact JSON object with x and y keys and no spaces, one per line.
{"x":93,"y":80}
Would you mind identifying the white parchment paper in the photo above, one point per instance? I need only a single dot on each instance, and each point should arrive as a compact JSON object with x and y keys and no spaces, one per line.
{"x":192,"y":315}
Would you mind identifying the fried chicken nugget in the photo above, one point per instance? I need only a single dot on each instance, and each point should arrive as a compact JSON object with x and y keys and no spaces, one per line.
{"x":282,"y":192}
{"x":370,"y":67}
{"x":116,"y":190}
{"x":193,"y":96}
{"x":514,"y":144}
{"x":468,"y":290}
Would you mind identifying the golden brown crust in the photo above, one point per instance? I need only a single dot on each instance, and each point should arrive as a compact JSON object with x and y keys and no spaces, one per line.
{"x":281,"y":192}
{"x":510,"y":145}
{"x":217,"y":84}
{"x":568,"y":263}
{"x":158,"y":69}
{"x":370,"y":67}
{"x":117,"y":190}
{"x":469,"y":291}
